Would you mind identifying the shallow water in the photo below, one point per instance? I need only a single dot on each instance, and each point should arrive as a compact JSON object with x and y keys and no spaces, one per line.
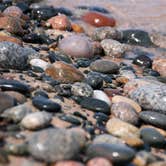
{"x":149,"y":15}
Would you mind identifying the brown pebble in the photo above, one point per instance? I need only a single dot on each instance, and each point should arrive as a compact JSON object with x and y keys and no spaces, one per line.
{"x":99,"y":161}
{"x":10,"y":39}
{"x":77,"y":28}
{"x":68,"y":163}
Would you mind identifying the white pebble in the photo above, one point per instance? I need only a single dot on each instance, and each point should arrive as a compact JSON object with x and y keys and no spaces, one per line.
{"x":39,"y":63}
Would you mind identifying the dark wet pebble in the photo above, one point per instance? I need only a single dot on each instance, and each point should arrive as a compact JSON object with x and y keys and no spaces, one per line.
{"x":100,"y":117}
{"x":63,"y":10}
{"x":95,"y":105}
{"x":57,"y":144}
{"x":117,"y":153}
{"x":43,"y":103}
{"x":70,"y":119}
{"x":153,"y":118}
{"x":143,"y":60}
{"x":150,"y":72}
{"x":80,"y":115}
{"x":136,"y":37}
{"x":3,"y":157}
{"x":83,"y":62}
{"x":63,"y":90}
{"x":152,"y":137}
{"x":49,"y":80}
{"x":41,"y":93}
{"x":6,"y":101}
{"x":14,"y":85}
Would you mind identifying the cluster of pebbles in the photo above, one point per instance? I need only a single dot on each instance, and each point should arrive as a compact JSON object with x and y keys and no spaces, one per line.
{"x":77,"y":91}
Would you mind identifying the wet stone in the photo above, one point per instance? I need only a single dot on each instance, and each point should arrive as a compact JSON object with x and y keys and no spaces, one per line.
{"x":153,"y":118}
{"x":81,"y":89}
{"x":14,"y":85}
{"x":152,"y":137}
{"x":123,"y":155}
{"x":95,"y":105}
{"x":71,"y":119}
{"x":57,"y":144}
{"x":43,"y":103}
{"x":41,"y":93}
{"x":36,"y":120}
{"x":104,"y":66}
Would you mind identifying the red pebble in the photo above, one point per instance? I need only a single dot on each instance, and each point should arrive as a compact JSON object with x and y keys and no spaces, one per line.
{"x":98,"y":20}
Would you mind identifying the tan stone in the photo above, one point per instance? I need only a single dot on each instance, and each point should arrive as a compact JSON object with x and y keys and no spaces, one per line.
{"x":68,"y":163}
{"x":160,"y":66}
{"x":99,"y":161}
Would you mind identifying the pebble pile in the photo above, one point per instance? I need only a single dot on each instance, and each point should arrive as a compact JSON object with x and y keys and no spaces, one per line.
{"x":77,"y":91}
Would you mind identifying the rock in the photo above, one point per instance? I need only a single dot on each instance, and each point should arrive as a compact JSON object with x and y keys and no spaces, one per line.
{"x":95,"y":105}
{"x":98,"y":94}
{"x":43,"y":103}
{"x":13,"y":11}
{"x":159,"y":163}
{"x":125,"y":112}
{"x":113,"y":48}
{"x":60,"y":22}
{"x":68,"y":163}
{"x":10,"y":39}
{"x":151,"y":97}
{"x":6,"y":101}
{"x":118,"y":98}
{"x":152,"y":137}
{"x":36,"y":120}
{"x":102,"y":33}
{"x":77,"y":28}
{"x":14,"y":85}
{"x":160,"y":66}
{"x":123,"y":155}
{"x":17,"y":113}
{"x":98,"y":20}
{"x":81,"y":89}
{"x":12,"y":56}
{"x":99,"y":161}
{"x":64,"y":72}
{"x":154,"y":118}
{"x":136,"y":37}
{"x":52,"y":145}
{"x":76,"y":46}
{"x":104,"y":66}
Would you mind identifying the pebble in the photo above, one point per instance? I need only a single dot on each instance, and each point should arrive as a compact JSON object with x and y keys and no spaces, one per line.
{"x":10,"y":39}
{"x":125,"y":112}
{"x":99,"y":94}
{"x":77,"y":28}
{"x":152,"y":137}
{"x":41,"y":93}
{"x":136,"y":37}
{"x":159,"y":65}
{"x":13,"y":56}
{"x":76,"y":46}
{"x":64,"y":72}
{"x":113,"y":48}
{"x":36,"y":120}
{"x":143,"y":61}
{"x":68,"y":163}
{"x":132,"y":103}
{"x":71,"y":119}
{"x":60,"y":22}
{"x":6,"y":101}
{"x":14,"y":85}
{"x":95,"y":105}
{"x":102,"y":33}
{"x":99,"y":161}
{"x":104,"y":66}
{"x":43,"y":103}
{"x":98,"y":20}
{"x":159,"y":163}
{"x":118,"y":154}
{"x":52,"y":145}
{"x":17,"y":113}
{"x":153,"y":118}
{"x":151,"y":97}
{"x":81,"y":89}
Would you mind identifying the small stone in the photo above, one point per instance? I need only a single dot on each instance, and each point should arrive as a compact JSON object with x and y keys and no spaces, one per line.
{"x":113,"y":48}
{"x":106,"y":33}
{"x":36,"y":120}
{"x":124,"y":154}
{"x":6,"y":101}
{"x":135,"y":105}
{"x":98,"y":94}
{"x":81,"y":89}
{"x":95,"y":105}
{"x":10,"y":39}
{"x":152,"y":137}
{"x":160,"y":66}
{"x":60,"y":22}
{"x":99,"y":161}
{"x":17,"y":113}
{"x":104,"y":66}
{"x":154,"y":118}
{"x":76,"y":46}
{"x":125,"y":112}
{"x":13,"y":11}
{"x":51,"y":145}
{"x":68,"y":163}
{"x":43,"y":103}
{"x":77,"y":28}
{"x":64,"y":72}
{"x":159,"y":163}
{"x":12,"y":56}
{"x":98,"y":20}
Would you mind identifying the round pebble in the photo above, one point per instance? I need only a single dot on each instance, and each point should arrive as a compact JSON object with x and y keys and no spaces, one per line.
{"x":159,"y":65}
{"x":68,"y":163}
{"x":99,"y":161}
